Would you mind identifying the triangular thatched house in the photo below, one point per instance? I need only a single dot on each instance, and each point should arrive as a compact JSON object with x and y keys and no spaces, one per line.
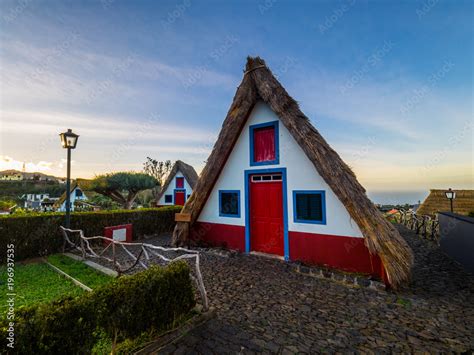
{"x":179,"y":185}
{"x":272,"y":184}
{"x":76,"y":194}
{"x":437,"y":202}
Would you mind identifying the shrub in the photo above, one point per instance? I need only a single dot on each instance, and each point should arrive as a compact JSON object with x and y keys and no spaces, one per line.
{"x":38,"y":234}
{"x":153,"y":299}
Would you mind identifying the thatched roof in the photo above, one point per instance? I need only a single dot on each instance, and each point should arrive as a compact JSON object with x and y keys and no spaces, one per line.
{"x":437,"y":202}
{"x":188,"y":172}
{"x":62,"y":198}
{"x":258,"y":83}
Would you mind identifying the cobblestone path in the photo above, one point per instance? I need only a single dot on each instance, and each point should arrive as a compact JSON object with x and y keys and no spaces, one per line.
{"x":264,"y":306}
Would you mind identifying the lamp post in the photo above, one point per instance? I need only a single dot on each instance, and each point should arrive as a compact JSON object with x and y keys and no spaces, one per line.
{"x":450,"y":195}
{"x":68,"y":141}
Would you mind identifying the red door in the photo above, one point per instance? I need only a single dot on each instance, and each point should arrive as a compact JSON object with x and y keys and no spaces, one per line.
{"x":179,"y":198}
{"x":266,"y":214}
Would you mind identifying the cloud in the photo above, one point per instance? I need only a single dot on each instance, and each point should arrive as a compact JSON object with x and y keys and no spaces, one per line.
{"x":8,"y":163}
{"x":379,"y":103}
{"x":69,"y":75}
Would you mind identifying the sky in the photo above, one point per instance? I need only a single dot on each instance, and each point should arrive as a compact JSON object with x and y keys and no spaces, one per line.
{"x":388,"y":84}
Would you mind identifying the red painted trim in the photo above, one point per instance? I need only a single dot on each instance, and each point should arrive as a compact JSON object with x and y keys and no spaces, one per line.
{"x":219,"y":235}
{"x":340,"y":252}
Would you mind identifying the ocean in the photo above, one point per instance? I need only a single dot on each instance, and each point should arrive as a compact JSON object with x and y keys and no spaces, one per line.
{"x":397,"y":197}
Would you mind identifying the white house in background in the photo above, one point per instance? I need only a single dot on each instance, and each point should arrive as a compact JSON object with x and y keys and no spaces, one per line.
{"x":178,"y":186}
{"x":76,"y":195}
{"x":38,"y":201}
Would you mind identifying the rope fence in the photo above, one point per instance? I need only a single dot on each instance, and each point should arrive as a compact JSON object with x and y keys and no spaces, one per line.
{"x":144,"y":257}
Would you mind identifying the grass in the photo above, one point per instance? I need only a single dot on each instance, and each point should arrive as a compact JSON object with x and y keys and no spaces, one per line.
{"x":80,"y":271}
{"x":35,"y":283}
{"x":39,"y":283}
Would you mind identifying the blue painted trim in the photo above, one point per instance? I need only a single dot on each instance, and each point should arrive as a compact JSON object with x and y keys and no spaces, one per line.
{"x":323,"y":202}
{"x":174,"y":194}
{"x":221,"y":214}
{"x":277,"y":144}
{"x":286,"y":241}
{"x":176,"y":182}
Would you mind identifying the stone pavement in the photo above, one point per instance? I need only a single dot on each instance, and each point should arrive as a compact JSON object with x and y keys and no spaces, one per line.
{"x":264,"y":306}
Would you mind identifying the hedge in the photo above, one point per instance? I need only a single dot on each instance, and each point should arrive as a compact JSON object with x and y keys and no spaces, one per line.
{"x":152,"y":300}
{"x":38,"y":234}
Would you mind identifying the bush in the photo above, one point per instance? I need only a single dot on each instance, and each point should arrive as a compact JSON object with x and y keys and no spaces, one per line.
{"x":154,"y":299}
{"x":38,"y":234}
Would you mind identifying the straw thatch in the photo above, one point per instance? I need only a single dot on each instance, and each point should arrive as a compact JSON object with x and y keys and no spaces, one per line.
{"x":259,"y":84}
{"x":62,"y":198}
{"x":188,"y":172}
{"x":437,"y":202}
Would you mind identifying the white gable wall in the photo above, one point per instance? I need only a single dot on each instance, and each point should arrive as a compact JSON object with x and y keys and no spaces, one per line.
{"x":301,"y":175}
{"x":73,"y":197}
{"x":172,"y":186}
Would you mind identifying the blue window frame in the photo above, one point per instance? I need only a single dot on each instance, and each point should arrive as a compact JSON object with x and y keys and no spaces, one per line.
{"x":168,"y":198}
{"x":309,"y":206}
{"x":180,"y":182}
{"x":252,"y":129}
{"x":229,"y":203}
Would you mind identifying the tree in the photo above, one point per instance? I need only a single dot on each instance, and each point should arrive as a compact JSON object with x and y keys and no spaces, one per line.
{"x":122,"y":187}
{"x":159,"y":170}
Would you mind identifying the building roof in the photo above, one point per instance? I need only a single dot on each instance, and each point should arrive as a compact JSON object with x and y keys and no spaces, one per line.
{"x":189,"y":174}
{"x":61,"y":199}
{"x":259,"y":84}
{"x":437,"y":202}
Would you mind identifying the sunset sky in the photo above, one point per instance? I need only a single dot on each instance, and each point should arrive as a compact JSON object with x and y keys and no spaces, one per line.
{"x":388,"y":84}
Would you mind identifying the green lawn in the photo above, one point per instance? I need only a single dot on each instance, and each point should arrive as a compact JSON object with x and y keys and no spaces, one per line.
{"x":39,"y":283}
{"x":80,"y":271}
{"x":35,"y":283}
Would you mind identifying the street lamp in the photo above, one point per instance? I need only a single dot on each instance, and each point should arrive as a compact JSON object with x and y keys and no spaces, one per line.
{"x":450,"y":195}
{"x":68,"y":141}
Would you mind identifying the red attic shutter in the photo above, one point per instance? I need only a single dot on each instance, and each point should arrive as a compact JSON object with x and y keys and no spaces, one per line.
{"x":264,"y":144}
{"x":180,"y":182}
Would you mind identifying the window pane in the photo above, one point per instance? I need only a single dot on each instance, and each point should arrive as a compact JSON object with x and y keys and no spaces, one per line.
{"x":168,"y":198}
{"x":309,"y":207}
{"x":264,"y":144}
{"x":229,"y":203}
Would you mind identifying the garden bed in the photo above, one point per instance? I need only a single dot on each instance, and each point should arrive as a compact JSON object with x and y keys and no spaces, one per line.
{"x":37,"y":282}
{"x":122,"y":314}
{"x":80,"y":271}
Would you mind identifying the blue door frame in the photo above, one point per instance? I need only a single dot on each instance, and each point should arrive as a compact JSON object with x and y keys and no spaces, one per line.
{"x":286,"y":242}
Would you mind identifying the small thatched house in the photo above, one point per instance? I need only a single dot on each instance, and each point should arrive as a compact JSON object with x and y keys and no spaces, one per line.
{"x":76,"y":195}
{"x":437,"y":202}
{"x":179,"y":185}
{"x":273,"y":185}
